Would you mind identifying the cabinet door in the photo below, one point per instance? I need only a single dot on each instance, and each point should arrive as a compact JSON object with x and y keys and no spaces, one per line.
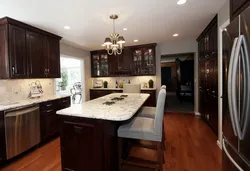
{"x":213,"y":113}
{"x":127,"y":59}
{"x":237,"y":6}
{"x":137,"y":60}
{"x":96,"y":70}
{"x":81,"y":147}
{"x":148,"y":61}
{"x":2,"y":139}
{"x":53,"y":46}
{"x":113,"y":65}
{"x":37,"y":58}
{"x":104,"y":64}
{"x":151,"y":101}
{"x":4,"y":63}
{"x":17,"y":52}
{"x":202,"y":75}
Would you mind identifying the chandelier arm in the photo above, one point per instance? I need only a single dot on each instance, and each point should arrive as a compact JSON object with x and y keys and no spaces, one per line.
{"x":110,"y":53}
{"x":120,"y":51}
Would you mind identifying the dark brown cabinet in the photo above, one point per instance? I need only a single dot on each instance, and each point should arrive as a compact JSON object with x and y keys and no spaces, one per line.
{"x":99,"y":63}
{"x":27,"y":52}
{"x":50,"y":123}
{"x":36,"y":54}
{"x":237,"y":6}
{"x":2,"y":139}
{"x":208,"y":74}
{"x":81,"y":146}
{"x":53,"y":58}
{"x":134,"y":61}
{"x":17,"y":53}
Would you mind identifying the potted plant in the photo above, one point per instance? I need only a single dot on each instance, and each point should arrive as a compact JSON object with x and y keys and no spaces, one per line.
{"x":105,"y":84}
{"x":151,"y":83}
{"x":64,"y":82}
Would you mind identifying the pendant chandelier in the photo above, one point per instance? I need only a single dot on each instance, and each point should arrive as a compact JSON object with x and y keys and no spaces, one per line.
{"x":113,"y":43}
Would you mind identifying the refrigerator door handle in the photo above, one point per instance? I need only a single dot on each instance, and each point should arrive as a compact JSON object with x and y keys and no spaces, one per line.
{"x":230,"y":158}
{"x":234,"y":88}
{"x":229,"y":88}
{"x":246,"y":92}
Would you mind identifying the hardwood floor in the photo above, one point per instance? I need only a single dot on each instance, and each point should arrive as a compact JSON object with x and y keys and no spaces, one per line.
{"x":191,"y":146}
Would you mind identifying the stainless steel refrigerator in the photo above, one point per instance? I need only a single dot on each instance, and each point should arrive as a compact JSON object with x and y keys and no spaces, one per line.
{"x":236,"y":94}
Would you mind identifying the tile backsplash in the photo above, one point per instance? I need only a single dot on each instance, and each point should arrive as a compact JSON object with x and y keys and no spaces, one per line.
{"x":133,"y":80}
{"x":14,"y":90}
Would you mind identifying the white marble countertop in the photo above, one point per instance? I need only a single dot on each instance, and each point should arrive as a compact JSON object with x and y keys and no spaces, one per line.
{"x":120,"y":111}
{"x":119,"y":88}
{"x":27,"y":102}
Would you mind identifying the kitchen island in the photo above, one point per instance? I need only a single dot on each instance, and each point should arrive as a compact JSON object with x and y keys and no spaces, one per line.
{"x":89,"y":131}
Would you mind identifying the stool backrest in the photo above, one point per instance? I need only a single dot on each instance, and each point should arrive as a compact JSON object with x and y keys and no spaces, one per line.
{"x":160,"y":112}
{"x":163,"y":87}
{"x":131,"y":88}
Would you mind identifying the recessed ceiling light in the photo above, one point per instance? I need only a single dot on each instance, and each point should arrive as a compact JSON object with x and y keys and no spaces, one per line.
{"x":175,"y":35}
{"x":67,"y":27}
{"x":136,"y":40}
{"x":181,"y":2}
{"x":125,"y":29}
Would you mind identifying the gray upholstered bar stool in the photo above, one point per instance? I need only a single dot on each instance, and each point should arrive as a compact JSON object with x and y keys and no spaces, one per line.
{"x":148,"y":129}
{"x":131,"y":88}
{"x":149,"y":112}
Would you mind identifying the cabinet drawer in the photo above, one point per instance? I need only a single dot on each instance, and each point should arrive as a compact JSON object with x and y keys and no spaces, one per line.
{"x":63,"y":103}
{"x":45,"y":106}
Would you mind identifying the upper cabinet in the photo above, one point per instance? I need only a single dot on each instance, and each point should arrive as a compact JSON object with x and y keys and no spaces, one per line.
{"x":208,"y":41}
{"x":134,"y":60}
{"x":27,"y":52}
{"x":17,"y":52}
{"x":237,"y":6}
{"x":99,"y":63}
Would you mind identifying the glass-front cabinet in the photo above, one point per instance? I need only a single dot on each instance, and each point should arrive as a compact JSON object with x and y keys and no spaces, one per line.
{"x":144,"y":61}
{"x":134,"y":61}
{"x":99,"y":62}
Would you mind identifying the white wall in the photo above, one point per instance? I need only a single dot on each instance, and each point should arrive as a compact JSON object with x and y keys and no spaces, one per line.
{"x":223,"y":21}
{"x":68,"y":50}
{"x":174,"y":47}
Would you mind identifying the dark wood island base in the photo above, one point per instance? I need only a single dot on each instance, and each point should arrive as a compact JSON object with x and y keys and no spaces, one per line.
{"x":89,"y":144}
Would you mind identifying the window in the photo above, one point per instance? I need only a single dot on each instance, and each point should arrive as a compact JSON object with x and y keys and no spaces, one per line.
{"x":71,"y":81}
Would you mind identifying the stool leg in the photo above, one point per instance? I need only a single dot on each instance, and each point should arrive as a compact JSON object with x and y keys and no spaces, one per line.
{"x":120,"y":147}
{"x":160,"y":155}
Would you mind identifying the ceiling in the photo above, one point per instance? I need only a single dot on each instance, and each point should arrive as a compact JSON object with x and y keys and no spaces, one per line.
{"x":149,"y":21}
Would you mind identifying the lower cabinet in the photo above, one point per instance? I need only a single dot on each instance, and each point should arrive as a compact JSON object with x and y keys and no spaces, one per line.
{"x":81,"y":146}
{"x":99,"y":93}
{"x":209,"y":109}
{"x":2,"y":139}
{"x":49,"y":121}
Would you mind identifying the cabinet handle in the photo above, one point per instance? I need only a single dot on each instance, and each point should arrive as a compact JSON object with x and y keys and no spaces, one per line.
{"x":213,"y":91}
{"x":48,"y":105}
{"x":48,"y":111}
{"x":13,"y":70}
{"x":78,"y":129}
{"x":64,"y":101}
{"x":47,"y":70}
{"x":207,"y":89}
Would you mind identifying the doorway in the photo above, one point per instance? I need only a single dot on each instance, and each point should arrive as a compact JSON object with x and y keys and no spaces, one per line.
{"x":71,"y":81}
{"x":177,"y":73}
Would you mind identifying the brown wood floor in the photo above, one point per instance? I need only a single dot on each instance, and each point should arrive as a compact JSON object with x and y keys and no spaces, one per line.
{"x":191,"y":146}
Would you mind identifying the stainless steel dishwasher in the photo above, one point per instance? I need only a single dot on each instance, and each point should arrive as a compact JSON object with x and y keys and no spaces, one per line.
{"x":22,"y":129}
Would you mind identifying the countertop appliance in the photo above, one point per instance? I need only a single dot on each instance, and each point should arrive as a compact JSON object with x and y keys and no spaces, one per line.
{"x":236,"y":94}
{"x":22,"y":130}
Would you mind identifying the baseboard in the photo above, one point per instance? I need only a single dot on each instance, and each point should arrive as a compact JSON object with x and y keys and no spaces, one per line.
{"x":219,"y":144}
{"x":197,"y":113}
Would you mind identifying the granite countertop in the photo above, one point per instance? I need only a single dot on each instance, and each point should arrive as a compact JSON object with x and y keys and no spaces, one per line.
{"x":120,"y":111}
{"x":119,"y":88}
{"x":27,"y":102}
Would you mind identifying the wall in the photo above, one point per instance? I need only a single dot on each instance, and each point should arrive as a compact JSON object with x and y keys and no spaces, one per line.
{"x":223,"y":21}
{"x":71,"y":51}
{"x":133,"y":80}
{"x":174,"y":47}
{"x":14,"y":90}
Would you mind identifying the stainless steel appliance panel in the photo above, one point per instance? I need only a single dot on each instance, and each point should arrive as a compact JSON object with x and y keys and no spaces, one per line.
{"x":22,"y":130}
{"x":244,"y":147}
